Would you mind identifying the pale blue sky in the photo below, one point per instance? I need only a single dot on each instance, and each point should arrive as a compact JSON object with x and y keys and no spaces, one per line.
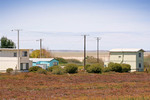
{"x":60,"y":23}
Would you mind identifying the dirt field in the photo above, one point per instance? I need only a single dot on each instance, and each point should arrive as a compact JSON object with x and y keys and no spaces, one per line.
{"x":80,"y":86}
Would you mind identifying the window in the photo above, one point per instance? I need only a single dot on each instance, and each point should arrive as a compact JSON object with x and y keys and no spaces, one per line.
{"x":21,"y":66}
{"x":27,"y":66}
{"x":24,"y":66}
{"x":139,"y":54}
{"x":55,"y":63}
{"x":24,"y":53}
{"x":15,"y":54}
{"x":139,"y":65}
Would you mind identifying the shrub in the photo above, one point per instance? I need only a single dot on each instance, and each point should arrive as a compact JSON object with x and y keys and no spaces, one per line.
{"x":41,"y":71}
{"x":87,"y":66}
{"x":61,"y":60}
{"x":71,"y":68}
{"x":50,"y":69}
{"x":58,"y":71}
{"x":34,"y":68}
{"x":95,"y":68}
{"x":125,"y":67}
{"x":9,"y":70}
{"x":106,"y":69}
{"x":115,"y":67}
{"x":80,"y":67}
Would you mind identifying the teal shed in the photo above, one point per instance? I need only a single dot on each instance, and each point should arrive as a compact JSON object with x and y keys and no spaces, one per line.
{"x":44,"y":62}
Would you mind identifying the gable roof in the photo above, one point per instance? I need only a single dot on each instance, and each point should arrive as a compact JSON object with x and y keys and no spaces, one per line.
{"x":126,"y":50}
{"x":41,"y":59}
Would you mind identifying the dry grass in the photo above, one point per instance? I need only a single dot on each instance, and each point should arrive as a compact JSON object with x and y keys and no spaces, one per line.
{"x":81,"y":86}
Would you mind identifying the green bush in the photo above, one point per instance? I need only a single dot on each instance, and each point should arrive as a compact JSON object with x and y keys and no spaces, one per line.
{"x":115,"y":67}
{"x":125,"y":67}
{"x":34,"y":68}
{"x":61,"y":60}
{"x":50,"y":69}
{"x":9,"y":70}
{"x":87,"y":66}
{"x":71,"y":68}
{"x":58,"y":71}
{"x":80,"y":67}
{"x":95,"y":68}
{"x":106,"y":69}
{"x":41,"y":71}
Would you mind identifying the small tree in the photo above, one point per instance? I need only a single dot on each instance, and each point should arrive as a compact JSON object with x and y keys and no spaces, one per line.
{"x":7,"y":43}
{"x":36,"y":54}
{"x":93,"y":60}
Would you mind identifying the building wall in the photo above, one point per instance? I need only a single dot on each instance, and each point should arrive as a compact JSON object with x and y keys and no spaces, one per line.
{"x":7,"y":59}
{"x":47,"y":63}
{"x":8,"y":62}
{"x":140,"y":60}
{"x":53,"y":61}
{"x":127,"y":57}
{"x":10,"y":53}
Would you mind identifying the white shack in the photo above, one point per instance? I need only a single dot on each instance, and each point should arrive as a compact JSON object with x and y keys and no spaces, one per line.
{"x":8,"y":59}
{"x":134,"y":57}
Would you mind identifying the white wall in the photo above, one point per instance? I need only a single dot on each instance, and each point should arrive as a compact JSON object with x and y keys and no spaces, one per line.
{"x":131,"y":58}
{"x":8,"y":62}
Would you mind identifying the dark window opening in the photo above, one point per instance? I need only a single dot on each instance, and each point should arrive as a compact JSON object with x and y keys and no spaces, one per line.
{"x":15,"y":54}
{"x":24,"y":54}
{"x":139,"y":65}
{"x":139,"y":54}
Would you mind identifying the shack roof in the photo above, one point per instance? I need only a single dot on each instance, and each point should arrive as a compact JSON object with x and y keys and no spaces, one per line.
{"x":41,"y":59}
{"x":126,"y":50}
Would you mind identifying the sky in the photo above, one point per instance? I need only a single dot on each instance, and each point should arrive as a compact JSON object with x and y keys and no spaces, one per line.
{"x":61,"y":24}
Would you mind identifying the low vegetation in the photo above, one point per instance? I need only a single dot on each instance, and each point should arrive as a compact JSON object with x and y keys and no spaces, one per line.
{"x":61,"y":60}
{"x":42,"y":71}
{"x":34,"y":68}
{"x":147,"y":63}
{"x":71,"y":68}
{"x":116,"y":67}
{"x":79,"y":86}
{"x":58,"y":71}
{"x":50,"y":69}
{"x":9,"y":70}
{"x":95,"y":68}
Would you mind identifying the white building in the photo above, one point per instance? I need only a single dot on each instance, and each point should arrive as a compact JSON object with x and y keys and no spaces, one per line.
{"x":134,"y":57}
{"x":8,"y":59}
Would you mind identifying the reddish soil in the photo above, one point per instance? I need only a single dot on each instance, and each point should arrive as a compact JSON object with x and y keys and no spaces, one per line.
{"x":75,"y":86}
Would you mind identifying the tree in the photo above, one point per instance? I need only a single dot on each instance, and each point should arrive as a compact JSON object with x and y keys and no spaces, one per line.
{"x":36,"y":54}
{"x":7,"y":43}
{"x":92,"y":60}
